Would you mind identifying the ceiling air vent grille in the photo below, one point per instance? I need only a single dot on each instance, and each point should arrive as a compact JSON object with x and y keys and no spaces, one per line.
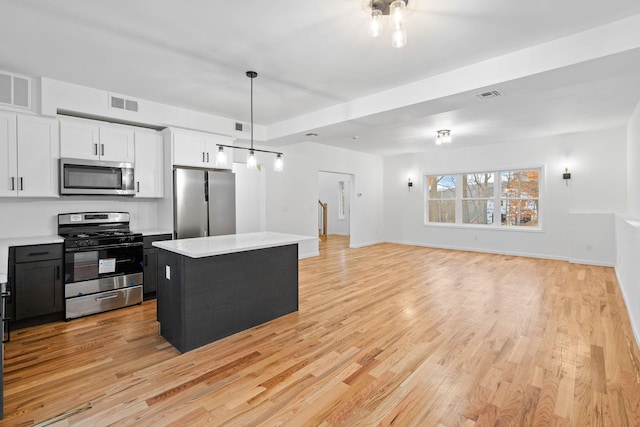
{"x":243,"y":127}
{"x":119,"y":103}
{"x":488,"y":94}
{"x":15,"y":90}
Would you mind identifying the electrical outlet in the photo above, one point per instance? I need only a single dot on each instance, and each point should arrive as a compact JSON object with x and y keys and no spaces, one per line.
{"x":167,"y":272}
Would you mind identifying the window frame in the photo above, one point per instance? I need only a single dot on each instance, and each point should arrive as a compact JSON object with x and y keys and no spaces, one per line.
{"x":496,"y":225}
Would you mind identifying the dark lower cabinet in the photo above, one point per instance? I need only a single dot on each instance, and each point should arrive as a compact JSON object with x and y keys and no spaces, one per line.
{"x":38,"y":289}
{"x":150,"y":283}
{"x":36,"y":281}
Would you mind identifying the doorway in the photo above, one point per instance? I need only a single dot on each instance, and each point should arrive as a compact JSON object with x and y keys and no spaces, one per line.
{"x":334,"y":201}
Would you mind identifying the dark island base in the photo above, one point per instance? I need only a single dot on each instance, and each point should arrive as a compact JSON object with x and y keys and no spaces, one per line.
{"x":213,"y":297}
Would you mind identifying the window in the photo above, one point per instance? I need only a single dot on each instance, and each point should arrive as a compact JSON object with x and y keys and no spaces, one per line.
{"x":519,"y":197}
{"x":508,"y":198}
{"x":477,"y":198}
{"x":442,"y":198}
{"x":341,"y":200}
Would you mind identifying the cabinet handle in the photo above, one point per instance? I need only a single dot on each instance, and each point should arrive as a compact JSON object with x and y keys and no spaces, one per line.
{"x":6,"y":321}
{"x":207,"y":157}
{"x":38,"y":253}
{"x":146,"y":260}
{"x":203,"y":157}
{"x":21,"y":184}
{"x":57,"y":272}
{"x":13,"y":183}
{"x":95,"y":149}
{"x":137,"y":186}
{"x":102,"y":149}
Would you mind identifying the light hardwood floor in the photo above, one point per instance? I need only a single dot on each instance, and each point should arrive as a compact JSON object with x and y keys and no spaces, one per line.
{"x":385,"y":335}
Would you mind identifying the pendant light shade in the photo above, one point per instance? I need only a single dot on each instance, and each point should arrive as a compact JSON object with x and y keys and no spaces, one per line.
{"x":221,"y":158}
{"x":376,"y":23}
{"x":278,"y":163}
{"x":252,"y":162}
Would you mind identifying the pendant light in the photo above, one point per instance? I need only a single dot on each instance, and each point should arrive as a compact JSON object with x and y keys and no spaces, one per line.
{"x":395,"y":9}
{"x":252,"y":162}
{"x":221,"y":158}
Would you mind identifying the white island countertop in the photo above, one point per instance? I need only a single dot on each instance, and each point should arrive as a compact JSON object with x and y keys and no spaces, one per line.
{"x":200,"y":247}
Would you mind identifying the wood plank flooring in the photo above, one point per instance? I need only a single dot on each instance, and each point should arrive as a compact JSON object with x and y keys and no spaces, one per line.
{"x":386,"y":335}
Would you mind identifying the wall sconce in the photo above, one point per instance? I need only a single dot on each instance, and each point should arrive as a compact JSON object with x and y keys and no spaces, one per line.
{"x":410,"y":184}
{"x":566,"y":176}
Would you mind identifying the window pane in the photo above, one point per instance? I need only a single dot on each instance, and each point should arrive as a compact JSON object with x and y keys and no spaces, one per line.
{"x":520,"y":184}
{"x":477,"y":186}
{"x":442,"y":211}
{"x":477,"y":211}
{"x":519,"y":212}
{"x":442,"y":187}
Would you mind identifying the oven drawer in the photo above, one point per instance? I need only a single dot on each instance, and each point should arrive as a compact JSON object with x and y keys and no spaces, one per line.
{"x":97,"y":303}
{"x":79,"y":289}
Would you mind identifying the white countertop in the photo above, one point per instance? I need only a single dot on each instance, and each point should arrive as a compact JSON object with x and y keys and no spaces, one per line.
{"x":200,"y":247}
{"x":21,"y":241}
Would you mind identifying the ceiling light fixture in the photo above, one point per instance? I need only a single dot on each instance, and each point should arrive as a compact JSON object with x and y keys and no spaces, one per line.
{"x":252,"y":161}
{"x":395,"y":9}
{"x":443,"y":137}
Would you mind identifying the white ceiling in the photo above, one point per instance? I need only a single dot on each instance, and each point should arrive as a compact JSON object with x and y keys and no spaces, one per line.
{"x":312,"y":56}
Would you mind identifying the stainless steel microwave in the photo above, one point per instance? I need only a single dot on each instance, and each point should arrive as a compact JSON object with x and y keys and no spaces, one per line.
{"x":79,"y":176}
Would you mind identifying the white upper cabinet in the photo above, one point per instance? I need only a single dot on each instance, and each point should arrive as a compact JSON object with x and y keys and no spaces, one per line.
{"x":88,"y":139}
{"x":30,"y":150}
{"x":149,"y":164}
{"x":198,"y":149}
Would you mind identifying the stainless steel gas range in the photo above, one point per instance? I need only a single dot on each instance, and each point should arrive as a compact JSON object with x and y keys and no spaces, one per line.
{"x":103,"y":262}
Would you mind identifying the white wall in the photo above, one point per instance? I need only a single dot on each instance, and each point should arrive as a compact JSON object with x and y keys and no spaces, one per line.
{"x":627,"y":229}
{"x":578,"y":218}
{"x":292,"y":195}
{"x":250,"y":199}
{"x":39,"y":217}
{"x":328,"y":192}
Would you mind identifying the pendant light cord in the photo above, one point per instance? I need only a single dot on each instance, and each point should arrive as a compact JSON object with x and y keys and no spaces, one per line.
{"x":252,"y":75}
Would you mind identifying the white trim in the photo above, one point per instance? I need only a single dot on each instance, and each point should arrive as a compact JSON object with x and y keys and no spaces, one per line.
{"x":591,"y":262}
{"x":486,"y":251}
{"x":492,"y":227}
{"x":636,"y":332}
{"x":362,"y":245}
{"x":309,"y":255}
{"x":339,"y":234}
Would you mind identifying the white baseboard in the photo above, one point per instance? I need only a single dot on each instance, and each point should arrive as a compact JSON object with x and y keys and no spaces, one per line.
{"x":634,"y":328}
{"x":308,"y":255}
{"x":486,"y":251}
{"x":362,"y":245}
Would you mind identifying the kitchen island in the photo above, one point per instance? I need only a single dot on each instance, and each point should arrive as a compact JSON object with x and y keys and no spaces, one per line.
{"x":213,"y":287}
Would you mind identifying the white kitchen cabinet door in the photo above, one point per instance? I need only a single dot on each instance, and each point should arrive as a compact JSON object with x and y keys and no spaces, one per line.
{"x":189,"y":149}
{"x":116,"y":144}
{"x":38,"y":153}
{"x":79,"y":139}
{"x":149,"y":164}
{"x":8,"y":155}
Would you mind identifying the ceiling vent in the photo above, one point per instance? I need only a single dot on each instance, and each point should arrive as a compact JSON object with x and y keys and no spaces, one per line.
{"x":119,"y":103}
{"x":243,"y":127}
{"x":15,"y":90}
{"x":488,"y":94}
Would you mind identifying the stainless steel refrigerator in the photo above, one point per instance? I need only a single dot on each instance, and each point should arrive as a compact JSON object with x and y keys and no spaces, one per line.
{"x":204,"y":203}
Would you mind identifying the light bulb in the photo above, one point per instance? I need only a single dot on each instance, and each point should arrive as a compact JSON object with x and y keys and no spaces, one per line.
{"x":399,"y":36}
{"x":278,"y":163}
{"x":376,"y":23}
{"x":221,"y":157}
{"x":252,"y":162}
{"x":396,"y":11}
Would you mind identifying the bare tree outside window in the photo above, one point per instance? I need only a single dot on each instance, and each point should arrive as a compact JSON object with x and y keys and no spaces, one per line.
{"x":477,"y":198}
{"x":442,"y":198}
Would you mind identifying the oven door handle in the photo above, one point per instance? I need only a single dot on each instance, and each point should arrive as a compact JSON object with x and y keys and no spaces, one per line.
{"x":111,"y":296}
{"x":97,"y":248}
